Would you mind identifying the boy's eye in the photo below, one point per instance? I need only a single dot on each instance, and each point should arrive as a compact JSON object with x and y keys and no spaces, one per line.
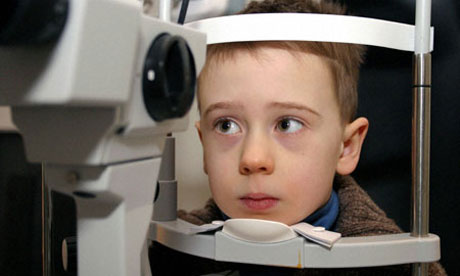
{"x":226,"y":126}
{"x":289,"y":125}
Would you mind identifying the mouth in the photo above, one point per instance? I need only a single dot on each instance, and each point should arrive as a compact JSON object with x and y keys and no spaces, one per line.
{"x":259,"y":201}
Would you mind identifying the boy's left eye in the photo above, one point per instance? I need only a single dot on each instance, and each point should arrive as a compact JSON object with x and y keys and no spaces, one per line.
{"x":289,"y":125}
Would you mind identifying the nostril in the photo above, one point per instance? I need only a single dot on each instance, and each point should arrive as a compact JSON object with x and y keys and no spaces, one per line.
{"x":249,"y":170}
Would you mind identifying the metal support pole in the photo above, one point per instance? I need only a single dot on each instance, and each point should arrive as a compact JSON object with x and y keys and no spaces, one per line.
{"x":164,"y":11}
{"x":421,"y":127}
{"x":421,"y":151}
{"x":422,"y":26}
{"x":46,"y":226}
{"x":165,"y":207}
{"x":421,"y":144}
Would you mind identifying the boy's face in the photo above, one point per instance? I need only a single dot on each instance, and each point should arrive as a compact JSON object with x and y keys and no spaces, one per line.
{"x":272,"y":134}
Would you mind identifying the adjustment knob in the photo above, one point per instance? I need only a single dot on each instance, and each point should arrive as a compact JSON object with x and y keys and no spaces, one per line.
{"x":169,"y":77}
{"x":69,"y":254}
{"x":31,"y":21}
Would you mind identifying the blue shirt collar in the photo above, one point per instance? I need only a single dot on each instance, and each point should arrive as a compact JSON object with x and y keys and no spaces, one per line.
{"x":326,"y":215}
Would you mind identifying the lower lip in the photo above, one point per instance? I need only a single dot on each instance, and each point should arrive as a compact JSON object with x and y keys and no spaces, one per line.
{"x":259,"y":204}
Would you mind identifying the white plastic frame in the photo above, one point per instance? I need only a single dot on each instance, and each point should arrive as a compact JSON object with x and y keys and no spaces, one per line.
{"x":309,"y":27}
{"x":346,"y":252}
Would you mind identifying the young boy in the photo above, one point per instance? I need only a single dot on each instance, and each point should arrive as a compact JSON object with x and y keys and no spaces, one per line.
{"x":279,"y":135}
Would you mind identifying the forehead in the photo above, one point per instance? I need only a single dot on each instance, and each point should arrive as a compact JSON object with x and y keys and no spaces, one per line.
{"x":267,"y":73}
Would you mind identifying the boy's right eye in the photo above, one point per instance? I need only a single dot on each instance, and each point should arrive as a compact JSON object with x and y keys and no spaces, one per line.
{"x":226,"y":126}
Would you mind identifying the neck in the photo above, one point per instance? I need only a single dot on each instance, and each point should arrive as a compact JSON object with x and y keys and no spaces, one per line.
{"x":326,"y":215}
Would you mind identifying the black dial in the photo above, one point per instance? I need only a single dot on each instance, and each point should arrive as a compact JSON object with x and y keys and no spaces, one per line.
{"x":169,"y":77}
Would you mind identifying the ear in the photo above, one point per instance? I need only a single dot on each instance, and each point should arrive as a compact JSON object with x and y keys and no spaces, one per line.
{"x":198,"y":128}
{"x":353,"y":139}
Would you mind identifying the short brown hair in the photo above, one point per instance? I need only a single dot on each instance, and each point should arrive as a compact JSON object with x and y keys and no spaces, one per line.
{"x":344,"y":59}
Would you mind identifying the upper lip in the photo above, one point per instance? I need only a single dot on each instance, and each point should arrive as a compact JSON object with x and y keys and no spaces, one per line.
{"x":257,"y":196}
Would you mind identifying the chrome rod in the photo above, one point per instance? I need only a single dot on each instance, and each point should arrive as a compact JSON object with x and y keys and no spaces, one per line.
{"x":420,"y":269}
{"x":421,"y":151}
{"x":165,"y":10}
{"x":421,"y":163}
{"x":421,"y":121}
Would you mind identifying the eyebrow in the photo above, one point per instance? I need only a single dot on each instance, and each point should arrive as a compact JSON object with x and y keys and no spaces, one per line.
{"x":237,"y":105}
{"x":292,"y":105}
{"x":222,"y":105}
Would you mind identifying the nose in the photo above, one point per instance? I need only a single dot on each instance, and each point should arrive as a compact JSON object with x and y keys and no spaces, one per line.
{"x":256,"y":157}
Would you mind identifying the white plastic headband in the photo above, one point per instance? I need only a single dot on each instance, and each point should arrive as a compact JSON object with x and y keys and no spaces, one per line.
{"x":309,"y":27}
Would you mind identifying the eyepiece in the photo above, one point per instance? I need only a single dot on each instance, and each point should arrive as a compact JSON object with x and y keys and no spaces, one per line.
{"x":168,"y":79}
{"x":25,"y":22}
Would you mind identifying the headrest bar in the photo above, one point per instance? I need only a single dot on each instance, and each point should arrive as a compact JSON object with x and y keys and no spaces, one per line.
{"x":309,"y":27}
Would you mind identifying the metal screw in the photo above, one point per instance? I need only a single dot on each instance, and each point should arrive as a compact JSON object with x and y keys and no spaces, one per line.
{"x":319,"y":229}
{"x":72,"y":177}
{"x":151,"y":75}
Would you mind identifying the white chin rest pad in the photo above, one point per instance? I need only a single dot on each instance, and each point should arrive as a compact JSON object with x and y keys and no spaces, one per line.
{"x":257,"y":230}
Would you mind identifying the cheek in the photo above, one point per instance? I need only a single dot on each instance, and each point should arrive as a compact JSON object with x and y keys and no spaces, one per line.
{"x":311,"y":150}
{"x":219,"y":143}
{"x":307,"y":189}
{"x":221,"y":158}
{"x":219,"y":152}
{"x":309,"y":166}
{"x":219,"y":166}
{"x":293,"y":143}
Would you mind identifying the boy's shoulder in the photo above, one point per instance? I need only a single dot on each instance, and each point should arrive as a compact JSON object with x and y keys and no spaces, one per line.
{"x":359,"y":215}
{"x":205,"y":215}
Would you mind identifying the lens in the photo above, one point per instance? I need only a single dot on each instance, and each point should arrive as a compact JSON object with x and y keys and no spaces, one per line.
{"x":7,"y":8}
{"x":31,"y":21}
